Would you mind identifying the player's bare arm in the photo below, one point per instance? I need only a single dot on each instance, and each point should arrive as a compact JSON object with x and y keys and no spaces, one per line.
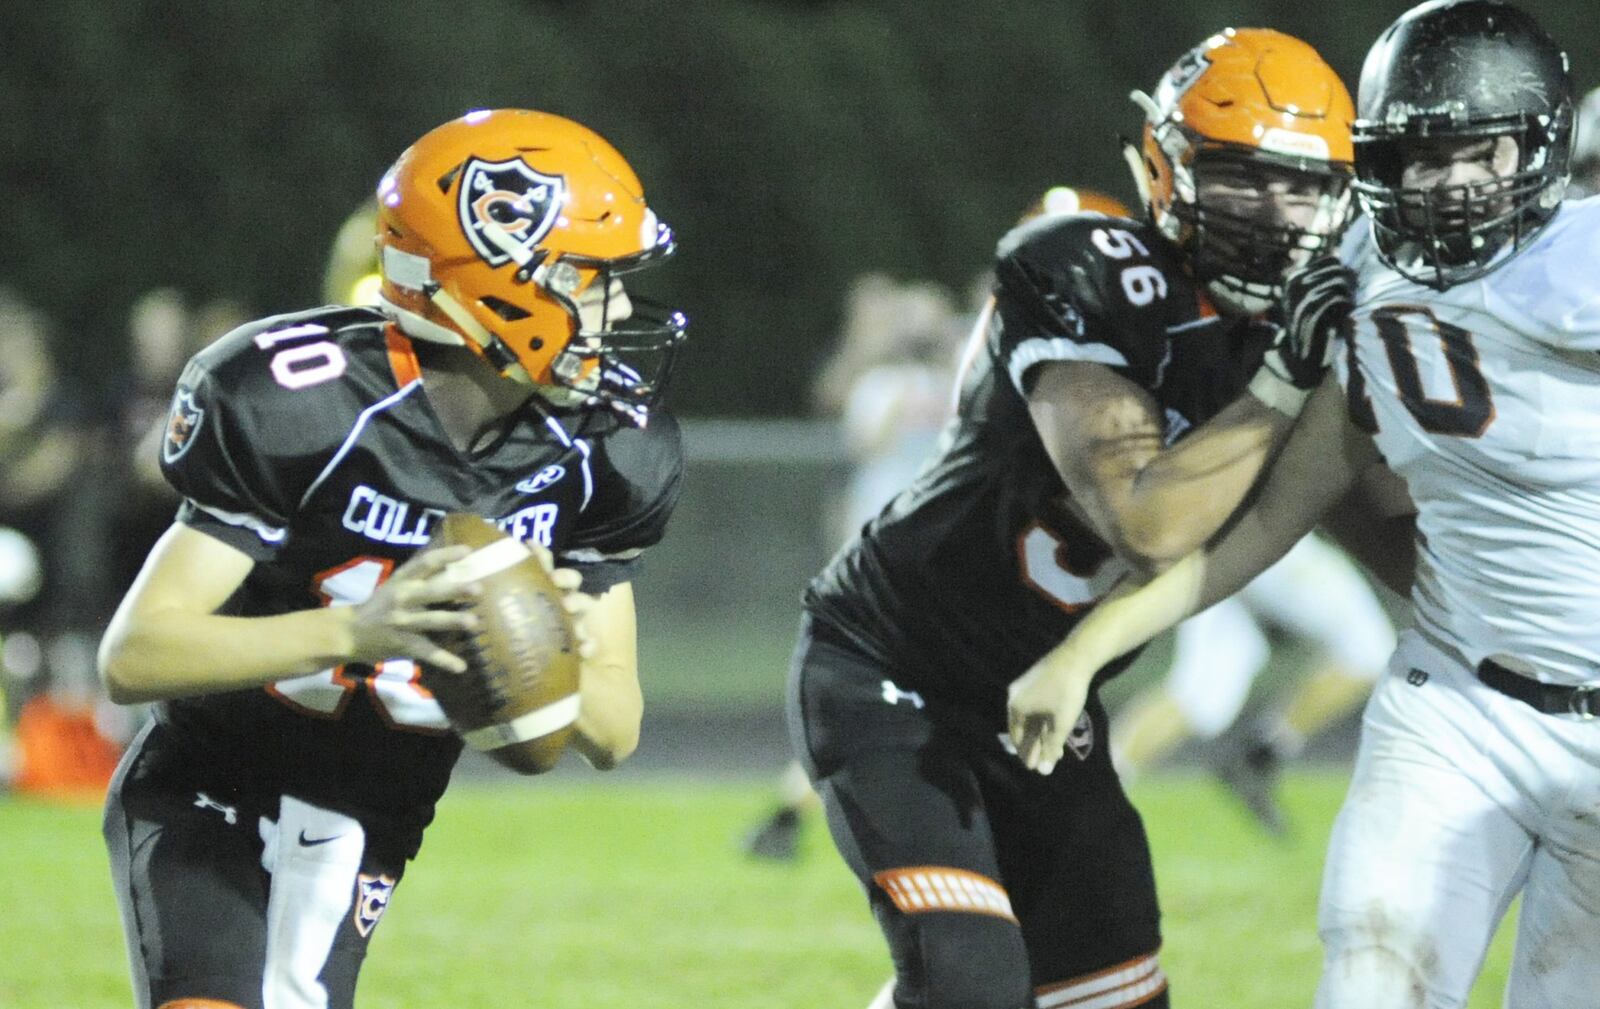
{"x":1322,"y":460}
{"x":1154,"y":504}
{"x":166,"y":637}
{"x":1376,"y":522}
{"x":608,"y":727}
{"x":1151,"y":504}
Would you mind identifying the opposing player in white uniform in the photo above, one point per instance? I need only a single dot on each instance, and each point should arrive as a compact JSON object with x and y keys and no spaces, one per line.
{"x":1474,"y":366}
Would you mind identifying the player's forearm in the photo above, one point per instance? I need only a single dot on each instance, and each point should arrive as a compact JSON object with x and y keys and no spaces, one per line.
{"x":1376,"y":524}
{"x":607,"y":730}
{"x":173,"y":653}
{"x":1129,"y":617}
{"x":1134,"y":613}
{"x":1183,"y":495}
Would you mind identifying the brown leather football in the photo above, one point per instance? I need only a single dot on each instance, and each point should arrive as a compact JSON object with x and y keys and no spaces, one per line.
{"x":518,"y":699}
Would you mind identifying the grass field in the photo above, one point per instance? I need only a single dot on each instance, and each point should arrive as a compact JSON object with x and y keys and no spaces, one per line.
{"x":632,"y":894}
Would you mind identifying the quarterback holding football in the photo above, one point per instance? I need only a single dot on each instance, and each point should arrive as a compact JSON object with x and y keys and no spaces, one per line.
{"x":313,"y":651}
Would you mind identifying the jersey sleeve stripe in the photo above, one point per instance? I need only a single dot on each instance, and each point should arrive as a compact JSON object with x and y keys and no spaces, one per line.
{"x":355,"y":433}
{"x":583,"y":449}
{"x":589,"y":555}
{"x":1184,"y":327}
{"x":1039,"y":349}
{"x":588,"y":476}
{"x":269,"y":533}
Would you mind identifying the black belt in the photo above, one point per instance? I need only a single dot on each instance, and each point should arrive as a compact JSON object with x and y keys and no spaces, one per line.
{"x":1550,"y":698}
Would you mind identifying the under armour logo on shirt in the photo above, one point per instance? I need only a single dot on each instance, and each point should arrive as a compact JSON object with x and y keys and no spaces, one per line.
{"x":204,"y":801}
{"x":894,"y":695}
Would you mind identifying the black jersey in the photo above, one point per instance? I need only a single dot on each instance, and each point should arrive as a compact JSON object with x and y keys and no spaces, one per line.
{"x":308,"y":442}
{"x":978,"y":568}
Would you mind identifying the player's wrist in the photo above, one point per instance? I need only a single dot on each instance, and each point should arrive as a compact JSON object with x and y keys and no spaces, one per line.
{"x":1276,"y":390}
{"x":1071,"y":665}
{"x":334,"y":636}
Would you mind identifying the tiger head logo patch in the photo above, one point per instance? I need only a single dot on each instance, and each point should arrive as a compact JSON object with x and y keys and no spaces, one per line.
{"x":183,"y":424}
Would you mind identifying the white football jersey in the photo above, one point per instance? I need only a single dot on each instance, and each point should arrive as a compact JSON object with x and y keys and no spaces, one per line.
{"x":1486,"y":400}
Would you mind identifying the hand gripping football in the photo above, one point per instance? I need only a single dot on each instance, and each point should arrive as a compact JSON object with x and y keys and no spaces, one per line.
{"x":518,"y":699}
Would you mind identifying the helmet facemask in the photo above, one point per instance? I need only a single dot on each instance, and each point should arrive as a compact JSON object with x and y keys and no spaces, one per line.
{"x":1448,"y":233}
{"x":1248,"y":217}
{"x":616,"y":357}
{"x":1443,"y":82}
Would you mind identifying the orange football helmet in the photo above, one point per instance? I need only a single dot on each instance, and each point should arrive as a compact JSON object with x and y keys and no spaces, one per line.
{"x":492,"y":227}
{"x":1264,"y":107}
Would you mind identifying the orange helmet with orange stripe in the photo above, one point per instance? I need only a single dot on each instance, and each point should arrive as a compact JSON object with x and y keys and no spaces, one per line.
{"x":1246,"y":159}
{"x":495,"y":228}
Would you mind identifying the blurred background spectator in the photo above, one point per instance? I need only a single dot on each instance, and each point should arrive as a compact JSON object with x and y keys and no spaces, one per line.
{"x":59,"y":481}
{"x":888,"y":387}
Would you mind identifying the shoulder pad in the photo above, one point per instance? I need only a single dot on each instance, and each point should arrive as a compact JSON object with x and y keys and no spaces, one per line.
{"x":1548,"y":290}
{"x":638,"y":473}
{"x":316,"y":354}
{"x":1356,"y":241}
{"x":258,"y":413}
{"x":1089,"y":287}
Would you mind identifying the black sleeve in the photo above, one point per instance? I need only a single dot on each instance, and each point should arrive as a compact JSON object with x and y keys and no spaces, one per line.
{"x":1089,"y":288}
{"x":638,"y":476}
{"x":242,"y":449}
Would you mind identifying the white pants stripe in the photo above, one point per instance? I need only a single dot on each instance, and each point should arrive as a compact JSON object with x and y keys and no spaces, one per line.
{"x":314,"y":856}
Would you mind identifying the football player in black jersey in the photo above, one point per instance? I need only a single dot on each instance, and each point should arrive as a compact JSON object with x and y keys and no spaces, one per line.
{"x":1119,"y":397}
{"x":259,"y":826}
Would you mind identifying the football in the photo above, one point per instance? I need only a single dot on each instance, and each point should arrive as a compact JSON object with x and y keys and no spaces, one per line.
{"x":518,"y":699}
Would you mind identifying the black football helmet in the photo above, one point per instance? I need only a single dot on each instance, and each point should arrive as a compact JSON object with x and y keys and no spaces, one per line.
{"x":1460,"y":70}
{"x":1586,"y":148}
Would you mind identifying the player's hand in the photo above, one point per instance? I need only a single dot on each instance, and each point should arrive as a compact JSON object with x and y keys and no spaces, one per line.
{"x":1044,"y":705}
{"x":1313,"y":305}
{"x":417,"y":600}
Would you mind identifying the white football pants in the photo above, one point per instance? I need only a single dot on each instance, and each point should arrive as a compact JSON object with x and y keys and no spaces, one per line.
{"x":1314,"y":593}
{"x":1461,"y":798}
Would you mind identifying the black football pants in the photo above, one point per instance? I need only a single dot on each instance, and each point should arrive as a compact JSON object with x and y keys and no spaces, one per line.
{"x":257,"y":902}
{"x":993,"y":885}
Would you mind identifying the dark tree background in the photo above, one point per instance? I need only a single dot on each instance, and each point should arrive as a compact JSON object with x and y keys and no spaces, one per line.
{"x":216,"y":145}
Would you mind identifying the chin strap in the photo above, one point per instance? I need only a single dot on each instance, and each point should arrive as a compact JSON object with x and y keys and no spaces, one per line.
{"x":1131,"y":152}
{"x":412,"y":271}
{"x":1141,"y":175}
{"x":494,"y":348}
